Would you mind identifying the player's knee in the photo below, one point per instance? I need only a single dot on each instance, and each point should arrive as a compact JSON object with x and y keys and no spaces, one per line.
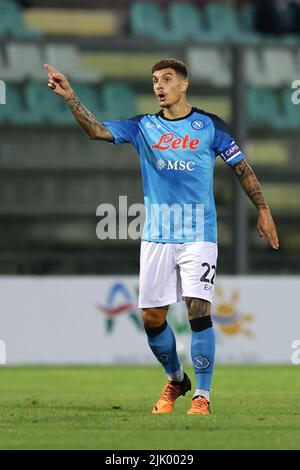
{"x":197,"y":308}
{"x":154,"y":317}
{"x":199,"y":314}
{"x":201,"y":324}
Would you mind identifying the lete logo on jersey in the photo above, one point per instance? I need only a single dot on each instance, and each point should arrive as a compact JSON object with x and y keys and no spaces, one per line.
{"x":168,"y":141}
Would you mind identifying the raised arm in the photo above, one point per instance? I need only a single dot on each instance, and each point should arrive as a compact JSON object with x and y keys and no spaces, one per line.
{"x":61,"y":86}
{"x":249,"y":182}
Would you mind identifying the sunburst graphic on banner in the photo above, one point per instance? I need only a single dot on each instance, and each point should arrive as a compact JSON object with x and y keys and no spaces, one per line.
{"x":229,"y":320}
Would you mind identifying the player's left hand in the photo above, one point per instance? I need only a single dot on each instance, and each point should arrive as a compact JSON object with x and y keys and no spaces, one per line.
{"x":266,"y":227}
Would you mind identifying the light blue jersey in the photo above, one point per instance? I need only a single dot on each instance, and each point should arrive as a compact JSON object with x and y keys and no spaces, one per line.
{"x":177,"y":161}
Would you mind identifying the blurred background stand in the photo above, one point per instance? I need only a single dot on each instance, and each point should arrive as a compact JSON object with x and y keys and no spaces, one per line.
{"x":243,"y":57}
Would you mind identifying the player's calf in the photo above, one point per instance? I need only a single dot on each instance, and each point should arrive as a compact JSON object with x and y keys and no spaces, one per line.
{"x":203,"y":353}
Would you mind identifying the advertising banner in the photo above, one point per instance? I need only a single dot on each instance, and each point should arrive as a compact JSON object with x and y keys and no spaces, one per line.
{"x":88,"y":320}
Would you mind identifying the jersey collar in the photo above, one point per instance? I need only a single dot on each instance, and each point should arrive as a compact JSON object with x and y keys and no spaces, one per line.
{"x":161,"y":115}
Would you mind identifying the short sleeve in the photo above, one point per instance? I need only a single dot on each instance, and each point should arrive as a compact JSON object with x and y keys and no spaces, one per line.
{"x":123,"y":131}
{"x":224,"y":143}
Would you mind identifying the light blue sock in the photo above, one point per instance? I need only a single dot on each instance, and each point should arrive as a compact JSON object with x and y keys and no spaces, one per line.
{"x":203,"y":355}
{"x":163,"y":346}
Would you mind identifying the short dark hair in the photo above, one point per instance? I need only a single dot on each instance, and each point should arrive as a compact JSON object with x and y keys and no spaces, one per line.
{"x":175,"y":64}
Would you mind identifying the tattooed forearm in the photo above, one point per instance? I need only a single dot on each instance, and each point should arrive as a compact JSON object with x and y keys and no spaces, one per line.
{"x":250,"y":183}
{"x":87,"y":121}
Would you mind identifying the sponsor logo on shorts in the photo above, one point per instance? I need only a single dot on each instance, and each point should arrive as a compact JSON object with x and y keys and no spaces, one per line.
{"x":200,"y":362}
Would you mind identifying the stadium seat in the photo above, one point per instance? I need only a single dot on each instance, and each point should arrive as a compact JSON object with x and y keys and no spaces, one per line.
{"x":297,"y":65}
{"x":246,"y":17}
{"x":75,"y":22}
{"x":149,"y":20}
{"x":226,"y":24}
{"x":246,"y":25}
{"x":222,"y":18}
{"x":284,"y":197}
{"x":289,"y":15}
{"x":25,"y":61}
{"x":89,"y":97}
{"x":263,"y":107}
{"x":3,"y":27}
{"x":283,"y":74}
{"x":267,"y":152}
{"x":118,"y":101}
{"x":48,"y":106}
{"x":12,"y":22}
{"x":255,"y":70}
{"x":120,"y":65}
{"x":14,"y":111}
{"x":66,"y":58}
{"x":209,"y":65}
{"x":7,"y":74}
{"x":289,"y":40}
{"x":262,"y":68}
{"x":189,"y":20}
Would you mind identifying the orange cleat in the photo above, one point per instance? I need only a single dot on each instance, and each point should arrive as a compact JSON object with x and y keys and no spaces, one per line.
{"x":169,"y":394}
{"x":200,"y":406}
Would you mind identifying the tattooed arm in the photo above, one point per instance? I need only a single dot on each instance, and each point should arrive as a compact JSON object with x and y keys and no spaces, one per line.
{"x":249,"y":182}
{"x":88,"y":122}
{"x":61,"y":86}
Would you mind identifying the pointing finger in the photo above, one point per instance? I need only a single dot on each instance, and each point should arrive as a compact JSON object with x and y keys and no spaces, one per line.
{"x":52,"y":71}
{"x":49,"y":68}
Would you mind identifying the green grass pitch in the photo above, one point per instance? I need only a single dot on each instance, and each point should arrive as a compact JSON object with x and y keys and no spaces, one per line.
{"x":96,"y":407}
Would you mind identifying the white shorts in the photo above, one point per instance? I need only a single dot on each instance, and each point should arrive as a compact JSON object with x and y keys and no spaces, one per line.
{"x":170,"y":272}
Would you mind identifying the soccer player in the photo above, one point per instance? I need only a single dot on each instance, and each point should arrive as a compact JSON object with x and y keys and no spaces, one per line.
{"x":177,"y":149}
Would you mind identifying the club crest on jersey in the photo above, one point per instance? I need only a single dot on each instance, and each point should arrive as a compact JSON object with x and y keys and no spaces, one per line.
{"x":168,"y":141}
{"x":197,"y":124}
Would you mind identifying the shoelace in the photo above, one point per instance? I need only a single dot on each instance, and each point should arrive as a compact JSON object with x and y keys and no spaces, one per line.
{"x":200,"y":403}
{"x":170,"y":392}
